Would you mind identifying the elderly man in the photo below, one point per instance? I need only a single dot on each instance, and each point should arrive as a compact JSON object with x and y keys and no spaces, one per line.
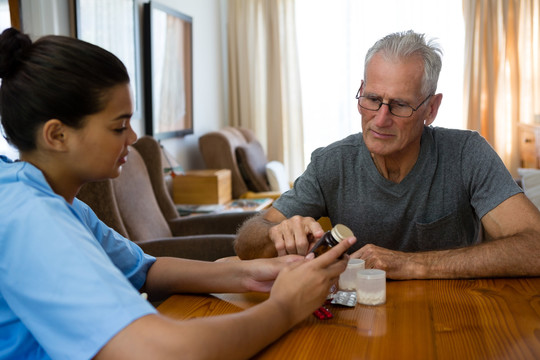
{"x":424,"y":202}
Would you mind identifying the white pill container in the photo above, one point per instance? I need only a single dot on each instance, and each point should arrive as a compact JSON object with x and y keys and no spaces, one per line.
{"x":371,"y":286}
{"x":347,"y":280}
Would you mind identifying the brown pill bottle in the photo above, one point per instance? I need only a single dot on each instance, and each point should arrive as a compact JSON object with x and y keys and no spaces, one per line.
{"x":331,"y":238}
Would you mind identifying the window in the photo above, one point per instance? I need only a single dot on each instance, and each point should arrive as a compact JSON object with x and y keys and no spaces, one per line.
{"x":113,"y":26}
{"x":5,"y":22}
{"x":333,"y":38}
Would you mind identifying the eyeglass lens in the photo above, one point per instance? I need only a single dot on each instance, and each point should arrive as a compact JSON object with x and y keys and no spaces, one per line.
{"x":396,"y":108}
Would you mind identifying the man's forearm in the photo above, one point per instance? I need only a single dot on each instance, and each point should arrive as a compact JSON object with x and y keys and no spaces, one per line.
{"x":252,"y":240}
{"x":514,"y":256}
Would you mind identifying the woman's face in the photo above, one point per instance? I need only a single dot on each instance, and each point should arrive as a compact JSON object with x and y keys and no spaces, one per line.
{"x":100,"y":147}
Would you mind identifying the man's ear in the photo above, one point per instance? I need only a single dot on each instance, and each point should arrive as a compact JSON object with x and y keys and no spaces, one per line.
{"x":433,"y":105}
{"x":54,"y":135}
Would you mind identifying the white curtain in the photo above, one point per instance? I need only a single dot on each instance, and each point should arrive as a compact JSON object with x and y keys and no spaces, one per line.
{"x":5,"y":22}
{"x":333,"y":38}
{"x":502,"y":81}
{"x":110,"y":25}
{"x":169,"y":73}
{"x":264,"y":87}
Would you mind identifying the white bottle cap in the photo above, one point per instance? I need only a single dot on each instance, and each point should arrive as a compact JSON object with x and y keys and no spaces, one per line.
{"x":340,"y":232}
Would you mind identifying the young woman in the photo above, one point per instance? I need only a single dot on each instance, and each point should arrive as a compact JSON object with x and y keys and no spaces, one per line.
{"x":69,"y":285}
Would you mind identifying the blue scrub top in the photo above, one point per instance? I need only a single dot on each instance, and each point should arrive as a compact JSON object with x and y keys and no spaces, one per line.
{"x":68,"y":282}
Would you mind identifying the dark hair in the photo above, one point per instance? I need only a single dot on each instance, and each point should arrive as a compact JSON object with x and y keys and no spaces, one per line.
{"x":56,"y":77}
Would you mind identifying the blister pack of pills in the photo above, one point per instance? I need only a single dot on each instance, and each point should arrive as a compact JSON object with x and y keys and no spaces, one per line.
{"x":345,"y":298}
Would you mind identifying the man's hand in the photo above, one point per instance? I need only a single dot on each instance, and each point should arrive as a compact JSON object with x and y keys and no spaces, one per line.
{"x":271,"y":234}
{"x":295,"y":235}
{"x":398,"y":265}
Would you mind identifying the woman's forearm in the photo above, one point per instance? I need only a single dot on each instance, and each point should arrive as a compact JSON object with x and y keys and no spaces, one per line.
{"x":232,"y":336}
{"x":175,"y":275}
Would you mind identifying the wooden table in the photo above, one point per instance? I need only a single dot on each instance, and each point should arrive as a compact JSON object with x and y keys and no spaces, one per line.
{"x":422,"y":319}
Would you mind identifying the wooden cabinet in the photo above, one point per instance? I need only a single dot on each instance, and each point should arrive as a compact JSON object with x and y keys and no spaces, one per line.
{"x":529,"y":145}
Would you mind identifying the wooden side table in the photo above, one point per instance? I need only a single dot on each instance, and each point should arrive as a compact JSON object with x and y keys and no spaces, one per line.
{"x":238,"y":205}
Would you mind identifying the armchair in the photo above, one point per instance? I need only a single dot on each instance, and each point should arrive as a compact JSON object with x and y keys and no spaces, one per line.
{"x":138,"y":205}
{"x":237,"y":149}
{"x":252,"y":176}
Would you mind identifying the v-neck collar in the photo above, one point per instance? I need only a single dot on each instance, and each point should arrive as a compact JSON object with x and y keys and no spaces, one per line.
{"x":398,"y":188}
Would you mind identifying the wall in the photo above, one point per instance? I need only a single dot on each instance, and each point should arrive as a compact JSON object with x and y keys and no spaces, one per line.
{"x":209,"y":81}
{"x":209,"y":107}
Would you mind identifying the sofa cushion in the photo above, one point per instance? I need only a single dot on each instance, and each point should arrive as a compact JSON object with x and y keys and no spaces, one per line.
{"x":277,"y":176}
{"x":530,"y":182}
{"x":252,"y":164}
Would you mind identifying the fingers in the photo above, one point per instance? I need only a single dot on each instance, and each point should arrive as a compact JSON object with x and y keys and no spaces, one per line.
{"x":328,"y":260}
{"x":316,"y":230}
{"x":369,"y":254}
{"x":292,"y":258}
{"x":299,"y":244}
{"x":397,"y":264}
{"x":293,"y":236}
{"x":335,"y":252}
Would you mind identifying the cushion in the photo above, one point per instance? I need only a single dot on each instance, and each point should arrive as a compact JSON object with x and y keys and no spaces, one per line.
{"x":277,"y":176}
{"x":252,"y":164}
{"x":530,"y":181}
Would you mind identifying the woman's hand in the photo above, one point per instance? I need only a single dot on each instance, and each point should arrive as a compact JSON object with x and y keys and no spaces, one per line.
{"x":261,"y":273}
{"x":303,"y":286}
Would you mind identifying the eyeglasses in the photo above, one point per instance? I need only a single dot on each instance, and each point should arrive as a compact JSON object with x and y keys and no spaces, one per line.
{"x":397,"y":108}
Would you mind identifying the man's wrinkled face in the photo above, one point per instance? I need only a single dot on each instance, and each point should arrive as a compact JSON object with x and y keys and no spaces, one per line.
{"x":396,"y":82}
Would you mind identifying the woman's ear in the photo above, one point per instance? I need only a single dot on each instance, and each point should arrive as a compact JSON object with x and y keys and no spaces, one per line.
{"x":54,"y":135}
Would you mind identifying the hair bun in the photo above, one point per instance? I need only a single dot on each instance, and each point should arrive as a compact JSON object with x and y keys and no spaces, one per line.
{"x":13,"y":44}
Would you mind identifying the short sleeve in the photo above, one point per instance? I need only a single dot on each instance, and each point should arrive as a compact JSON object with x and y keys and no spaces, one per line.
{"x":64,"y":289}
{"x":485,"y":176}
{"x":126,"y":255}
{"x":306,"y":197}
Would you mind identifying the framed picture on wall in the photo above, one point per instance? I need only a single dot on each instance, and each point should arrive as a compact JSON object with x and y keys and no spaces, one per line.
{"x":113,"y":25}
{"x":168,"y":71}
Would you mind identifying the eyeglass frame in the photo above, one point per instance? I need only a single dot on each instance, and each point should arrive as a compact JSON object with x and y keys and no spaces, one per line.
{"x":358,"y":96}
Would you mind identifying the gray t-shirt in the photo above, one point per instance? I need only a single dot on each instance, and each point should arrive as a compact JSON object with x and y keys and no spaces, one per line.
{"x":457,"y":179}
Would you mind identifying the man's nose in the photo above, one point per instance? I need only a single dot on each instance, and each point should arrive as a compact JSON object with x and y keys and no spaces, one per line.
{"x":383,"y":117}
